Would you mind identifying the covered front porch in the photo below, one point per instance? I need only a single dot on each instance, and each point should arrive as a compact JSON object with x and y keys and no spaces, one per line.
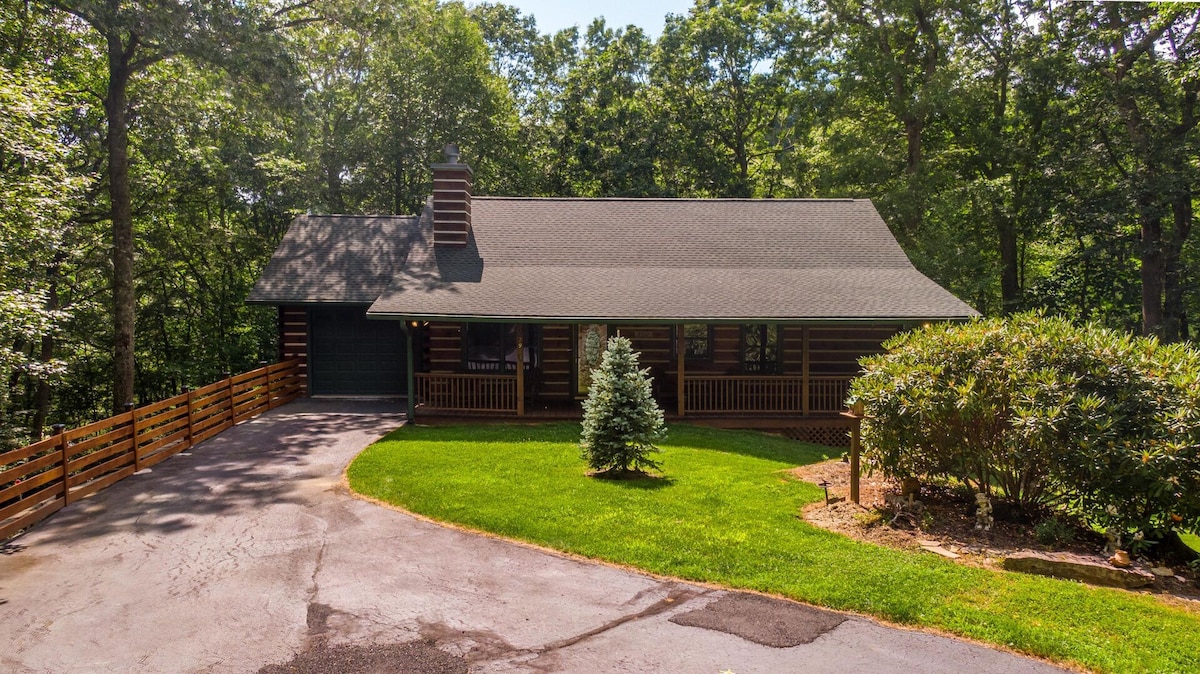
{"x":699,"y":395}
{"x":761,"y":374}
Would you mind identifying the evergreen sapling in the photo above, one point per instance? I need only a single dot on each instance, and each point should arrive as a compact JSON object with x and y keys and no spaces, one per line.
{"x":621,"y":419}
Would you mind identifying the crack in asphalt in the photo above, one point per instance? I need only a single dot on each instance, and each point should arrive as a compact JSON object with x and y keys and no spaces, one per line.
{"x":676,"y":596}
{"x":487,"y":646}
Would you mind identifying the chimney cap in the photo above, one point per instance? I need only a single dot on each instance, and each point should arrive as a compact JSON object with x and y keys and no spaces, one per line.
{"x":452,"y":159}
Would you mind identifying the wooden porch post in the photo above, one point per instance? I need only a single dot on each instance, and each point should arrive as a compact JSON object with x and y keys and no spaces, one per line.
{"x":410,"y":335}
{"x":679,"y":358}
{"x":521,"y":371}
{"x":804,"y":370}
{"x":855,"y":414}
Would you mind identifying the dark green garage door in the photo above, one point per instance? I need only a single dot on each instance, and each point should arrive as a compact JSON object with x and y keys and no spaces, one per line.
{"x":350,"y":355}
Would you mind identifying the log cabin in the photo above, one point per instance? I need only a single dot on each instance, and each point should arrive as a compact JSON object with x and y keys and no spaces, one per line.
{"x":747,"y":312}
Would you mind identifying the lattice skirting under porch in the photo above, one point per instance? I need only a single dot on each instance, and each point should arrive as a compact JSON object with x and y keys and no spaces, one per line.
{"x":830,"y":436}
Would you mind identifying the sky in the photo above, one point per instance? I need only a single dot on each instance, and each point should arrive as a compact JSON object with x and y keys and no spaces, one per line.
{"x":554,"y":15}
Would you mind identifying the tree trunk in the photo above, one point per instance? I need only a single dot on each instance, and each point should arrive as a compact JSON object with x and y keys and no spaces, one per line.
{"x":1151,"y":254}
{"x":1174,"y":318}
{"x":1010,"y":286}
{"x":41,"y":408}
{"x":912,"y":135}
{"x":122,"y":221}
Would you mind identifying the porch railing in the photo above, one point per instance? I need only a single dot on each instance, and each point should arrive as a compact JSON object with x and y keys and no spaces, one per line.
{"x":762,"y":394}
{"x":827,"y":394}
{"x":467,"y":392}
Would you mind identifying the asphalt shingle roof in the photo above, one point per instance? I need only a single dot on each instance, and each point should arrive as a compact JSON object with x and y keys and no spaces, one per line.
{"x":336,"y":258}
{"x":623,"y":259}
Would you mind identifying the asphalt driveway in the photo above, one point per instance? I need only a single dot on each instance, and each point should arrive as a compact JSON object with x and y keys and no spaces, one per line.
{"x":248,"y":551}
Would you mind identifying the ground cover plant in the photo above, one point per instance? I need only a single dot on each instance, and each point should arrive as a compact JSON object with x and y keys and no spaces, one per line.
{"x":727,"y":513}
{"x":1045,"y":414}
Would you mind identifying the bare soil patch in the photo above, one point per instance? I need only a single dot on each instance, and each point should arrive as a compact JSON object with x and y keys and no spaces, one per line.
{"x":948,"y":524}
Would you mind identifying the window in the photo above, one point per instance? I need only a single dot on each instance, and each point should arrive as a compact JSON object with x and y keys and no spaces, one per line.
{"x":697,"y":342}
{"x":760,"y":349}
{"x":492,"y":347}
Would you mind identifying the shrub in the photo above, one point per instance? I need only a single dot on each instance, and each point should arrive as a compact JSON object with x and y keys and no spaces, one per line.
{"x":621,"y":420}
{"x":1051,"y":531}
{"x":1041,"y":411}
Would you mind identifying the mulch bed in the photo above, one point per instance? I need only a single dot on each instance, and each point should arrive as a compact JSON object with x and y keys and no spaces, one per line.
{"x":948,"y":524}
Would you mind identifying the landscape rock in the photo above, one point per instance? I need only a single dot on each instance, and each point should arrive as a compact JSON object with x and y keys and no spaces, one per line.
{"x":1072,"y":567}
{"x":1162,"y":571}
{"x":939,"y":550}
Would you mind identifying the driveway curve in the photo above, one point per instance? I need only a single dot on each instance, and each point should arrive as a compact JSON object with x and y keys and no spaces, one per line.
{"x":248,"y":551}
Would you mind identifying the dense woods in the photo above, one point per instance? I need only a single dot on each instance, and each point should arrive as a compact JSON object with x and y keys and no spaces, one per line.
{"x":1026,"y":154}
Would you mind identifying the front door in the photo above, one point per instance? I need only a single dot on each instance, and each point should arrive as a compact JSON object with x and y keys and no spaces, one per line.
{"x":590,"y":342}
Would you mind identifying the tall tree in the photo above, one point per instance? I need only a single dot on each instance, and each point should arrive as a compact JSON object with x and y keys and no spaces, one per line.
{"x":610,"y":132}
{"x":135,"y":36}
{"x":37,"y":194}
{"x":726,"y":94}
{"x":1138,"y":89}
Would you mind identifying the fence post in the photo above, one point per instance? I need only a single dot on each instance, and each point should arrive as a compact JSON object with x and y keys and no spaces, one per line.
{"x":266,"y":381}
{"x":229,"y":393}
{"x":64,"y":454}
{"x":188,"y":392}
{"x":133,"y":426}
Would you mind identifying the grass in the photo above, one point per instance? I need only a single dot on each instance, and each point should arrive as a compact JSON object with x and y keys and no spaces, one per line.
{"x":726,"y":513}
{"x":1192,"y":540}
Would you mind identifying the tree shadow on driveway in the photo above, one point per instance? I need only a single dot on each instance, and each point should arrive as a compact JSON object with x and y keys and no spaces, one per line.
{"x":248,"y":467}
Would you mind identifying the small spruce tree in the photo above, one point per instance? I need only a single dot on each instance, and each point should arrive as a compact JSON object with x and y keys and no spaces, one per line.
{"x":621,"y":419}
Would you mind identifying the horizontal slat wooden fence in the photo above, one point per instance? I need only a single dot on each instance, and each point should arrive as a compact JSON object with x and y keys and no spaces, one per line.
{"x":39,"y":479}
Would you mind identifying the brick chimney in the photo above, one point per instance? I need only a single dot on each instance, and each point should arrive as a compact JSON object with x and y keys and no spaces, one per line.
{"x":451,"y":201}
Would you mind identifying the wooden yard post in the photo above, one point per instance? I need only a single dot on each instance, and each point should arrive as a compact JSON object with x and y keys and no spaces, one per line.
{"x":855,"y":414}
{"x":521,"y":371}
{"x":190,"y":413}
{"x":266,"y":385}
{"x":228,"y":376}
{"x":133,"y":427}
{"x":680,"y":356}
{"x":60,"y":430}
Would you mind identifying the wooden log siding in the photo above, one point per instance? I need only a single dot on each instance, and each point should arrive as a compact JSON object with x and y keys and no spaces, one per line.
{"x":445,"y":347}
{"x":293,"y":340}
{"x":834,"y":351}
{"x":39,"y":479}
{"x":449,"y":392}
{"x":555,"y":380}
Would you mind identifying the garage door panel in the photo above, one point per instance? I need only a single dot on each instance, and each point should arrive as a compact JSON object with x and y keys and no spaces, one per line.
{"x":351,"y":355}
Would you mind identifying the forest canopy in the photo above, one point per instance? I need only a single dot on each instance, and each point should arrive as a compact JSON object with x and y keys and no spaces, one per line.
{"x":1027,"y":155}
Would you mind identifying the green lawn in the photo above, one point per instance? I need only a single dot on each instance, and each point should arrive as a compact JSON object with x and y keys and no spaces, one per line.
{"x":727,"y":513}
{"x":1192,"y":540}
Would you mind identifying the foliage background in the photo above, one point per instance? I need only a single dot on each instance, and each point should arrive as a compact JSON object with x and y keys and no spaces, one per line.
{"x":1026,"y":153}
